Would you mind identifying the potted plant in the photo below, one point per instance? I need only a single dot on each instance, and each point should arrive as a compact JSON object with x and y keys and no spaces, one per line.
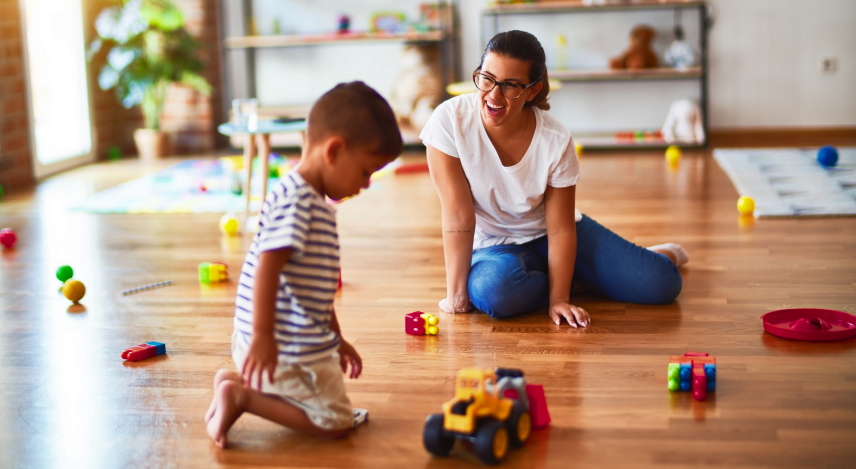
{"x":147,"y":50}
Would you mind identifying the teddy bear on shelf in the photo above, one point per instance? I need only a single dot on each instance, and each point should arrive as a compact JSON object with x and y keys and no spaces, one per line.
{"x":639,"y":55}
{"x":418,"y":88}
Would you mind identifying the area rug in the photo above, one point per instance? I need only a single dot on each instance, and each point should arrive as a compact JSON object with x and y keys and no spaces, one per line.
{"x":788,"y":182}
{"x":192,"y":186}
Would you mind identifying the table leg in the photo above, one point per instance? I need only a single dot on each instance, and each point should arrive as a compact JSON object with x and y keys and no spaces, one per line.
{"x":264,"y":154}
{"x":249,"y":153}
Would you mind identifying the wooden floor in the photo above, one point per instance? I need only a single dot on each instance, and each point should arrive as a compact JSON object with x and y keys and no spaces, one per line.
{"x":68,"y":400}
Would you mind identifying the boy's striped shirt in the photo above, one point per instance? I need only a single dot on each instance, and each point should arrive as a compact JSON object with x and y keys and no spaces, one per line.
{"x":295,"y":216}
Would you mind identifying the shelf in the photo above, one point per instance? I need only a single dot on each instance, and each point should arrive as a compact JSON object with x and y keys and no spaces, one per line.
{"x":626,"y":75}
{"x":608,"y":141}
{"x":578,"y":7}
{"x":298,"y":40}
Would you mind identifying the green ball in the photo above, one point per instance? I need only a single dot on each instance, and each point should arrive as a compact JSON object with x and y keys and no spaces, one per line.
{"x":64,"y":273}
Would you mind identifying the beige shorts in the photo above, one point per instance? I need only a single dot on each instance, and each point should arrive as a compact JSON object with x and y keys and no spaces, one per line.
{"x":317,"y":388}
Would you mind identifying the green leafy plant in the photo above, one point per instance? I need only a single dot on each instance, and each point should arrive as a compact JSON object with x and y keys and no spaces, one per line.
{"x":148,"y":49}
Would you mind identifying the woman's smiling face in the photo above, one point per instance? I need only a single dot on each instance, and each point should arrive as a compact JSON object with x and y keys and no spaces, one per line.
{"x":496,"y":109}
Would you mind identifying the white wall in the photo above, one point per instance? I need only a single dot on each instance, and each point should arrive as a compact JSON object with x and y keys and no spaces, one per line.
{"x":764,"y":58}
{"x":765,"y":63}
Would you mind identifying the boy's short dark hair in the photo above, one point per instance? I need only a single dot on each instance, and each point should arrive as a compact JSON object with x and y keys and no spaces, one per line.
{"x":359,"y":115}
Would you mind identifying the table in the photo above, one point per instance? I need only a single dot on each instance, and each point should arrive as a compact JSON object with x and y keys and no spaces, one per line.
{"x":263,"y":129}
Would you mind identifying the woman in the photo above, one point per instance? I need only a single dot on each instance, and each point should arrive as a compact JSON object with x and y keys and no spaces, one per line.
{"x":506,"y":173}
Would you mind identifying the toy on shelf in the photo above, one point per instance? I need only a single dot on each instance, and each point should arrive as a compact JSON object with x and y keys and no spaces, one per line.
{"x":694,"y":371}
{"x":143,"y":351}
{"x":673,"y":155}
{"x":8,"y":238}
{"x":578,"y":147}
{"x":827,"y":156}
{"x":229,"y":225}
{"x":344,"y":26}
{"x":64,"y":273}
{"x":74,"y":290}
{"x":745,"y":205}
{"x":490,"y":409}
{"x":684,"y":123}
{"x":147,"y":287}
{"x":213,"y":272}
{"x":639,"y":55}
{"x":419,"y":323}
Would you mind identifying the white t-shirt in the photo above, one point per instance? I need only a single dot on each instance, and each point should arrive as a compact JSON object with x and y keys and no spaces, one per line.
{"x":509,"y":201}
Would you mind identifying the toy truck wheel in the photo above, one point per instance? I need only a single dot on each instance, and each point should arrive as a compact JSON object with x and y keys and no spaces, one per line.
{"x":491,"y":441}
{"x":434,"y":438}
{"x":519,"y":426}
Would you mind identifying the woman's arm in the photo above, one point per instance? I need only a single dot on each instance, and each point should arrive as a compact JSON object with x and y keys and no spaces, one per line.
{"x":459,"y":222}
{"x":562,"y":254}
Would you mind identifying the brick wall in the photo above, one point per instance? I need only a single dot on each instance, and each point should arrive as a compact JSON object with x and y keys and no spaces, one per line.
{"x":190,"y":117}
{"x":15,"y":168}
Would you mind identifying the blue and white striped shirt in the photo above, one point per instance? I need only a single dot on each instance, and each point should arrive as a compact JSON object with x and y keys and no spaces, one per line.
{"x":295,"y":216}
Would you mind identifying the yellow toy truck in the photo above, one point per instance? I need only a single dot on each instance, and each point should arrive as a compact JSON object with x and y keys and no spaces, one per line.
{"x":490,"y":409}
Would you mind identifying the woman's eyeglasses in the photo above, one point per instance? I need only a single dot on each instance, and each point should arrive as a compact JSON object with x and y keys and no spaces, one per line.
{"x":509,"y":89}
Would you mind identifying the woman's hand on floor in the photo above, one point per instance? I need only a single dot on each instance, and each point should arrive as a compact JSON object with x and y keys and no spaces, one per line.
{"x":575,"y":315}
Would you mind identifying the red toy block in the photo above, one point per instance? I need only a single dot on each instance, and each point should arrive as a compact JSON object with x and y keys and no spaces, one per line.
{"x":699,"y":382}
{"x":143,"y":351}
{"x":414,"y":324}
{"x":537,"y":406}
{"x":696,"y":354}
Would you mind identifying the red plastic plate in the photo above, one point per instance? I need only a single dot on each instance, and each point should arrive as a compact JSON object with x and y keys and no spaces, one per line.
{"x":811,"y":324}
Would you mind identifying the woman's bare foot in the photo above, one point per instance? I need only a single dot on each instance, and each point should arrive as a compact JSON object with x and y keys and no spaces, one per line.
{"x":675,"y":252}
{"x":228,"y":406}
{"x":222,"y":375}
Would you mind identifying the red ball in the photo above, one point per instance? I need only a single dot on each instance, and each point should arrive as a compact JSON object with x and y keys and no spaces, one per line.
{"x":7,"y":237}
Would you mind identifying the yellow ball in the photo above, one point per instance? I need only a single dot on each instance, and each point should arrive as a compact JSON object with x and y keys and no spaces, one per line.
{"x":673,"y":154}
{"x":432,"y":320}
{"x":745,"y":205}
{"x":73,"y":290}
{"x":432,"y":330}
{"x":579,"y":149}
{"x":229,"y":225}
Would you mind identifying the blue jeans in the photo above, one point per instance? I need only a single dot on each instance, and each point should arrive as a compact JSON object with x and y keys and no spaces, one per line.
{"x":511,"y":279}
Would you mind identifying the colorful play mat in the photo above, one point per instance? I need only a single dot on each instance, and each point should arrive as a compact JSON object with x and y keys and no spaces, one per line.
{"x":192,"y":186}
{"x":790,"y":182}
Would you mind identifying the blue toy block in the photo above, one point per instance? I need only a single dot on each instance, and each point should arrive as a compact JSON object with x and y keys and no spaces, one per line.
{"x":161,"y":347}
{"x":686,"y":371}
{"x":686,"y":386}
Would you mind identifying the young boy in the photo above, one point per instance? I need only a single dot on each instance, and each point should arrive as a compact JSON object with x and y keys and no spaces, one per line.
{"x":287,"y":342}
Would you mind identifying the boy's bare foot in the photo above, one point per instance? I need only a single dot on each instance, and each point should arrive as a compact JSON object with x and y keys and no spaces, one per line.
{"x":228,"y":407}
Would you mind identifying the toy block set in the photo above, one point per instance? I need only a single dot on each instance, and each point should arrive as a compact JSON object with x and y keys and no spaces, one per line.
{"x":694,"y":371}
{"x":213,"y":272}
{"x":143,"y":351}
{"x":419,"y":323}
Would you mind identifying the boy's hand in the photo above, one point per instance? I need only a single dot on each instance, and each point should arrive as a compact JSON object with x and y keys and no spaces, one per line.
{"x":575,"y":315}
{"x":348,"y":356}
{"x":261,"y":358}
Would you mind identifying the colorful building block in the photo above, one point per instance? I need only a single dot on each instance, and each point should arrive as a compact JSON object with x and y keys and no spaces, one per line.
{"x":213,"y":272}
{"x":694,"y":371}
{"x":143,"y":351}
{"x":537,"y":406}
{"x":419,"y":323}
